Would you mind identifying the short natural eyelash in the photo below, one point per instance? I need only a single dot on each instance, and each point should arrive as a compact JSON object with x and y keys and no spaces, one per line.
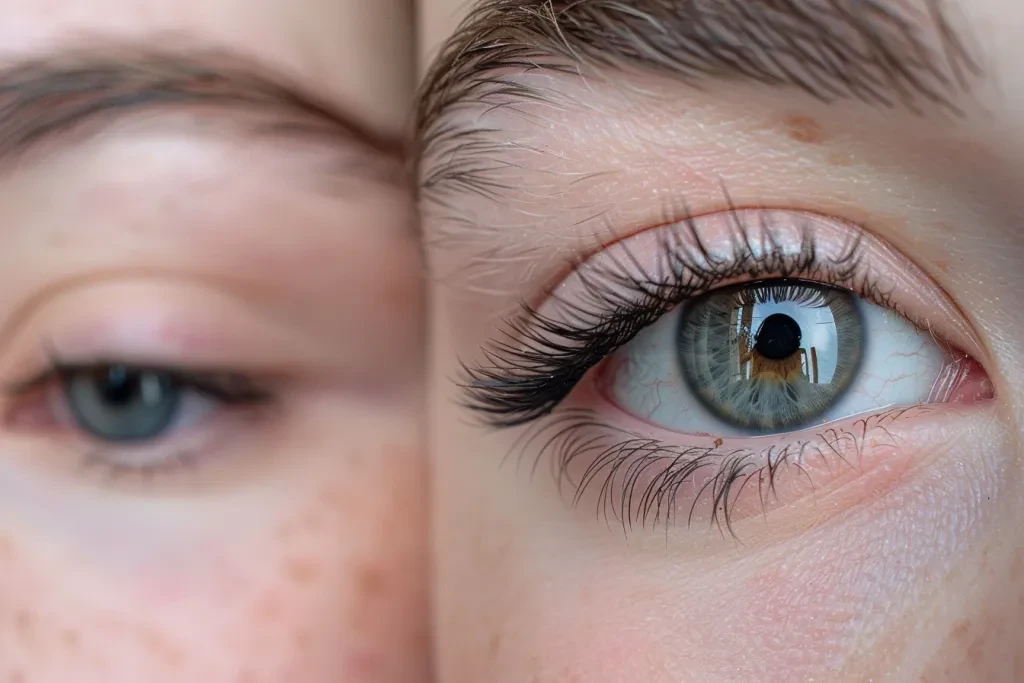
{"x":539,"y":359}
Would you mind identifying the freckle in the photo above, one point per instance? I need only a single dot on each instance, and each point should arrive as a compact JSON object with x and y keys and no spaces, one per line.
{"x":974,"y":652}
{"x":718,"y":443}
{"x":301,"y":569}
{"x":24,"y":622}
{"x":840,"y":159}
{"x":371,"y":581}
{"x":942,"y":265}
{"x":163,"y":648}
{"x":71,"y":638}
{"x":803,"y":129}
{"x":961,"y":629}
{"x":302,"y":639}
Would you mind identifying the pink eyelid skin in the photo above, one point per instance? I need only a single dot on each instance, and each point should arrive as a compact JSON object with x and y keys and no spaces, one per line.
{"x":840,"y":462}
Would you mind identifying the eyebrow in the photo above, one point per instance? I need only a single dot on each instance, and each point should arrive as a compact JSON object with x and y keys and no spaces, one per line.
{"x":86,"y":90}
{"x":886,"y":53}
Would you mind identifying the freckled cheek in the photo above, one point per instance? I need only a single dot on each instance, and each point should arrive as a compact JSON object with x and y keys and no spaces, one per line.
{"x":327,"y":589}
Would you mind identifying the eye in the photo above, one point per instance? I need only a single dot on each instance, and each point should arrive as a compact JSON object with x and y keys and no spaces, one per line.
{"x":117,"y":403}
{"x":694,"y":361}
{"x":773,"y":357}
{"x":131,"y":417}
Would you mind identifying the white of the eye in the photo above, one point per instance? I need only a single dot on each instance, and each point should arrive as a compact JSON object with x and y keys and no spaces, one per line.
{"x":899,"y":367}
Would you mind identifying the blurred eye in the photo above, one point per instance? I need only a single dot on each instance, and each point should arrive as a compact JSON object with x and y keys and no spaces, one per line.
{"x":773,"y":357}
{"x":121,"y":404}
{"x":134,"y":418}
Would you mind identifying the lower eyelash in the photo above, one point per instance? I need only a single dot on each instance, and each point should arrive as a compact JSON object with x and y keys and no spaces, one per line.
{"x":638,"y":480}
{"x":109,"y":467}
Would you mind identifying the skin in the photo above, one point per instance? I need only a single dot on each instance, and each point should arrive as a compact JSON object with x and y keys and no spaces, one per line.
{"x":290,"y":547}
{"x":911,"y":568}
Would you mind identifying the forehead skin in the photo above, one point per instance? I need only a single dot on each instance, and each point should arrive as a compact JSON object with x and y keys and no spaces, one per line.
{"x":315,"y":575}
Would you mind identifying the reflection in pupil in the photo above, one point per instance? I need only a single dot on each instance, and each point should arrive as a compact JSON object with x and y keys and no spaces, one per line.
{"x":771,"y":356}
{"x":779,"y":337}
{"x":120,"y":386}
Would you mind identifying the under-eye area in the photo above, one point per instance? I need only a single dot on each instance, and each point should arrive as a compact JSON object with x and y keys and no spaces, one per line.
{"x":723,"y":366}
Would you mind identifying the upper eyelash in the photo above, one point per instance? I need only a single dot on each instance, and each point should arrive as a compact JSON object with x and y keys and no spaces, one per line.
{"x":528,"y":372}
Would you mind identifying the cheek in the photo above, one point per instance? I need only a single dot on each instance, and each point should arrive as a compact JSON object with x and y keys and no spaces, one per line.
{"x":327,"y":590}
{"x":827,"y":604}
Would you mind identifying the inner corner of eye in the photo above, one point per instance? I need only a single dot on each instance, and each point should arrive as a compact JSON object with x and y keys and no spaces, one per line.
{"x":776,"y":357}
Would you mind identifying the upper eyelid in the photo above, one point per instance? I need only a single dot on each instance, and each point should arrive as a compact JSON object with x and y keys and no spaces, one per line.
{"x":842,"y":260}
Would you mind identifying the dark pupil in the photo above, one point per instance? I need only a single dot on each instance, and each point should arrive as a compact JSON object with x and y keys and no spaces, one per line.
{"x":120,"y":386}
{"x":779,"y":337}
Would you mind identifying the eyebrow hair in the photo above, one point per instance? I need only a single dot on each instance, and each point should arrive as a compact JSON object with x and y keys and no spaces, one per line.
{"x":886,"y":53}
{"x":53,"y":95}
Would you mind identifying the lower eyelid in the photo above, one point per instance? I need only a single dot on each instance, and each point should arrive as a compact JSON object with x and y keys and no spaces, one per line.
{"x":201,"y":446}
{"x":646,"y":477}
{"x":201,"y":452}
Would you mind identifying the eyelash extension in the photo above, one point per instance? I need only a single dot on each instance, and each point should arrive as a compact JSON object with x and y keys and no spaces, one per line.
{"x":540,"y":358}
{"x":638,"y":478}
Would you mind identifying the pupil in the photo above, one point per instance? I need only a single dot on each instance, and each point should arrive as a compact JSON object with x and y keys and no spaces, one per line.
{"x":779,"y":337}
{"x":120,"y":386}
